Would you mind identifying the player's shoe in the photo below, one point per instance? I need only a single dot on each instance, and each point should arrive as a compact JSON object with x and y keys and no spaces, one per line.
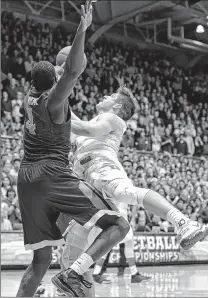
{"x":139,"y":278}
{"x":100,"y":279}
{"x":70,"y":283}
{"x":190,"y":233}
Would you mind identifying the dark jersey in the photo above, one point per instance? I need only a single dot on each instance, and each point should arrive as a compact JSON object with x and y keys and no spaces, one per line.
{"x":43,"y":140}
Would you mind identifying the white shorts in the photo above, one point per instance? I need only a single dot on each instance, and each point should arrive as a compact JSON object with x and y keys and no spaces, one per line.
{"x":106,"y":174}
{"x":94,"y":167}
{"x":102,"y":172}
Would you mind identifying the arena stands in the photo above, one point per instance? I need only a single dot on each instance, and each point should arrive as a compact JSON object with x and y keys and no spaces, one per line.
{"x":166,"y":141}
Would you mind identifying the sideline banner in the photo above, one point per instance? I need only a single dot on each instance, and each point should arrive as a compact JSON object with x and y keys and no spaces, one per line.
{"x":149,"y":248}
{"x":162,"y":248}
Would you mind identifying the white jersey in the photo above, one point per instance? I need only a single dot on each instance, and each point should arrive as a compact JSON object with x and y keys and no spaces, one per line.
{"x":110,"y":142}
{"x":96,"y":157}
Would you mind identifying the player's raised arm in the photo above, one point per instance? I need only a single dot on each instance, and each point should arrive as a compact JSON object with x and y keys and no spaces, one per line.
{"x":74,"y":65}
{"x":89,"y":129}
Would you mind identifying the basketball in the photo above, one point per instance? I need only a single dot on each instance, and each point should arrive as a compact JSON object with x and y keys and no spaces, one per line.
{"x":62,"y":56}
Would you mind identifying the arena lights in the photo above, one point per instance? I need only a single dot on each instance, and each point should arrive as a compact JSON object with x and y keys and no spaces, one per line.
{"x":200,"y":29}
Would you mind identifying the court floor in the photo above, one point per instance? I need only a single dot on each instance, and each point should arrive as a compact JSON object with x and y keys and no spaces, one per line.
{"x":168,"y":281}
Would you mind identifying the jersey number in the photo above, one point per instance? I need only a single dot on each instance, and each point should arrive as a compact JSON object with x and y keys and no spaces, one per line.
{"x":30,"y":124}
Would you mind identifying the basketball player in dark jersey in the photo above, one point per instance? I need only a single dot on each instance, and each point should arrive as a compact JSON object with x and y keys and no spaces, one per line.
{"x":46,"y":185}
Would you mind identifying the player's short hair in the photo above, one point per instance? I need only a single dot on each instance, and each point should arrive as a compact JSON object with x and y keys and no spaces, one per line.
{"x":43,"y":75}
{"x":128,"y":102}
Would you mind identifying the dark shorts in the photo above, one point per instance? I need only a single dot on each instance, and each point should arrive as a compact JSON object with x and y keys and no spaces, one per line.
{"x":47,"y":189}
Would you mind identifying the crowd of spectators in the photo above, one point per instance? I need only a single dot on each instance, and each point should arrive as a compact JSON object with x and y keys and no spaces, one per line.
{"x":182,"y":180}
{"x":170,"y":127}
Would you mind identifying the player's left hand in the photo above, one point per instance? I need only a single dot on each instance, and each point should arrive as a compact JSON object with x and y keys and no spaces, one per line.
{"x":86,"y":18}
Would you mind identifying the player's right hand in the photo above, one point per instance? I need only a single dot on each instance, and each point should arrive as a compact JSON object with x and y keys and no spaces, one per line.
{"x":86,"y":18}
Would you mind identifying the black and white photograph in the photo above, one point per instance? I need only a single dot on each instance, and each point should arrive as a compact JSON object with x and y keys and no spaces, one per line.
{"x":104,"y":148}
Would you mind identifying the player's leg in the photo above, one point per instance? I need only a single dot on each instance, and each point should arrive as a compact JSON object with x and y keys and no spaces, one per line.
{"x":128,"y":242}
{"x":105,"y":264}
{"x":69,"y":281}
{"x":76,"y":240}
{"x":39,"y":226}
{"x":76,"y":243}
{"x":189,"y":232}
{"x":98,"y":271}
{"x":35,"y":272}
{"x":136,"y":276}
{"x":122,"y":261}
{"x":78,"y":199}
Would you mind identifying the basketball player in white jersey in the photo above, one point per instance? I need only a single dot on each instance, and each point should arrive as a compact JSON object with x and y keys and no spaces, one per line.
{"x":96,"y":162}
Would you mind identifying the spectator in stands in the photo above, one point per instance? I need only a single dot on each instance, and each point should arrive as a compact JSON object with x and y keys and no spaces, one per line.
{"x":198,"y":143}
{"x":128,"y":167}
{"x":6,"y":184}
{"x":205,"y":145}
{"x":155,"y":225}
{"x":156,"y":141}
{"x":29,"y":64}
{"x":4,"y":61}
{"x":141,"y":225}
{"x":190,"y":142}
{"x":19,"y":68}
{"x":5,"y":222}
{"x":167,"y":141}
{"x":11,"y":89}
{"x":181,"y":145}
{"x":142,"y":142}
{"x":6,"y":104}
{"x":128,"y":139}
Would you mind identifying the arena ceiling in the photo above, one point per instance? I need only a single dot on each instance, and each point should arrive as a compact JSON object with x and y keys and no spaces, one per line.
{"x":166,"y":23}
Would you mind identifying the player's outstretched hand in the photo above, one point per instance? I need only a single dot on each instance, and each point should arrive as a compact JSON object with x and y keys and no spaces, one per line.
{"x":86,"y":18}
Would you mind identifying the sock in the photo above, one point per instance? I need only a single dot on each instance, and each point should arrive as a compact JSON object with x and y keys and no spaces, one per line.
{"x":177,"y":218}
{"x":82,"y":264}
{"x":97,"y":270}
{"x":133,"y":270}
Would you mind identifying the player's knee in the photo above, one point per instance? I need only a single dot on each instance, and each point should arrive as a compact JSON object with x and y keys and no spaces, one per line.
{"x":126,"y":193}
{"x":118,"y":222}
{"x":43,"y":256}
{"x":144,"y":193}
{"x":123,"y":225}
